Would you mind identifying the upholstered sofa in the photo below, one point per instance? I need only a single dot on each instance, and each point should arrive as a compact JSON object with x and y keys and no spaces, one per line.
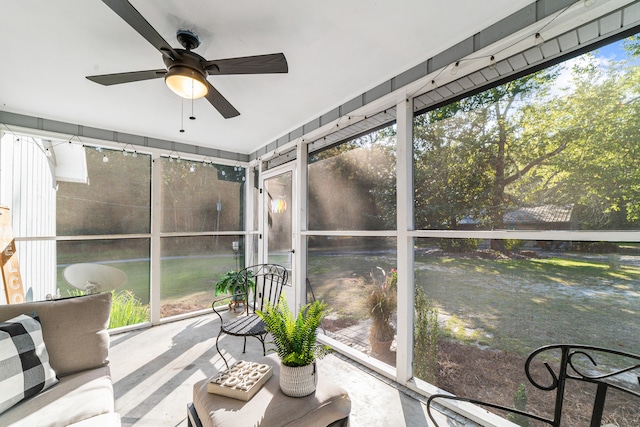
{"x":74,"y":331}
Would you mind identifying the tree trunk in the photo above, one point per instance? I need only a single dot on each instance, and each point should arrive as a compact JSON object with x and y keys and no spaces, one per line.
{"x":496,"y":209}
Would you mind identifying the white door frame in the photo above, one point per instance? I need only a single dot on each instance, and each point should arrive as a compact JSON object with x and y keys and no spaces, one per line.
{"x":292,"y":290}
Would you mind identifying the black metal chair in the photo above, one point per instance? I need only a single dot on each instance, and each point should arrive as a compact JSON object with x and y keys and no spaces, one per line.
{"x":260,"y":284}
{"x":577,"y":362}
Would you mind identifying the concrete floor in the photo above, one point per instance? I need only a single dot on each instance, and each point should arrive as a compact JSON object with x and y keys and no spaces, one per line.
{"x":153,"y":371}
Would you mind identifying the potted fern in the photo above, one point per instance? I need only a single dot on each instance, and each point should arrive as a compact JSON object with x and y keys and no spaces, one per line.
{"x":295,"y":342}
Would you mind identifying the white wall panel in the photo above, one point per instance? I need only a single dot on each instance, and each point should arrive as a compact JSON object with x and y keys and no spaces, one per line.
{"x":27,"y":188}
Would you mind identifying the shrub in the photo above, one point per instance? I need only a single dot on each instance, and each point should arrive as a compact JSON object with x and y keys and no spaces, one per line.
{"x":458,"y":245}
{"x":425,"y":338}
{"x":520,"y":403}
{"x":594,"y":247}
{"x":126,"y":309}
{"x":381,"y":303}
{"x":513,"y":245}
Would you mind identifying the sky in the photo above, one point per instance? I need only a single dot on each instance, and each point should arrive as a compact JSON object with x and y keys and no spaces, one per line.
{"x":605,"y":54}
{"x":613,"y":51}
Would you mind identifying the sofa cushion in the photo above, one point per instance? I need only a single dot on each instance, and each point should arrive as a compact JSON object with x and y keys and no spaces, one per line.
{"x":74,"y":330}
{"x":24,"y":361}
{"x":105,"y":420}
{"x":77,"y":397}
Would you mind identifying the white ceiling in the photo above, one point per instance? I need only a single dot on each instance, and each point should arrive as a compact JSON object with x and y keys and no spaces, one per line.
{"x":336,"y":50}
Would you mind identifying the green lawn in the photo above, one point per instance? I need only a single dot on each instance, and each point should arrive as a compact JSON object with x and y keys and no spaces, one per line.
{"x":513,"y":305}
{"x":187,"y":282}
{"x":519,"y":305}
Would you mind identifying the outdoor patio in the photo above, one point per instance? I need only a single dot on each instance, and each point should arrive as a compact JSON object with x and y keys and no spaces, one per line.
{"x":153,"y":371}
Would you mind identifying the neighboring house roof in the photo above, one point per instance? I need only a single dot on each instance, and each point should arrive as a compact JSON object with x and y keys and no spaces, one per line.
{"x":535,"y":215}
{"x":540,"y":215}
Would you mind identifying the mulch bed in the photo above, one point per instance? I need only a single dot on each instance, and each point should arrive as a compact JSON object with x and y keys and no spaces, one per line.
{"x":494,"y":376}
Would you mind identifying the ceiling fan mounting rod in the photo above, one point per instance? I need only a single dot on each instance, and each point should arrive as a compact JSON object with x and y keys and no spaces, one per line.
{"x":188,"y":39}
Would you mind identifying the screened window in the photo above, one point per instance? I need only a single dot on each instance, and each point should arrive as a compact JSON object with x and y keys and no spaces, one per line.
{"x":115,"y":200}
{"x":480,"y":313}
{"x":357,"y":277}
{"x":553,"y":151}
{"x":190,"y":266}
{"x":352,"y":185}
{"x":200,"y":196}
{"x":131,"y":256}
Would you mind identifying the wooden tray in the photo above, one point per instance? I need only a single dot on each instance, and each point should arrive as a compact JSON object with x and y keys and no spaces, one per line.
{"x":241,"y":381}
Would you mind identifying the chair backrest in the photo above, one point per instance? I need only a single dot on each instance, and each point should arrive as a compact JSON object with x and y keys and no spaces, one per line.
{"x":265,"y":282}
{"x":603,"y":368}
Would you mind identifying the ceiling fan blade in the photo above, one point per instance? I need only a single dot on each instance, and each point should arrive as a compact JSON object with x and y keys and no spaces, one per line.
{"x":133,"y":76}
{"x":259,"y":64}
{"x":131,"y":16}
{"x":220,"y":103}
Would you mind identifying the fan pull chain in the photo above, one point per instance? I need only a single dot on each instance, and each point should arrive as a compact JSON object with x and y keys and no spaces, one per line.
{"x":192,"y":117}
{"x":182,"y":115}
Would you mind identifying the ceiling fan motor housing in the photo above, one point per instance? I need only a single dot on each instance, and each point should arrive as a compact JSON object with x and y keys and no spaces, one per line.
{"x":186,"y":68}
{"x":186,"y":59}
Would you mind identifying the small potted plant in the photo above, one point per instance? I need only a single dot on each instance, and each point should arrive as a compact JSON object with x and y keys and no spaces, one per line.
{"x":382,"y":304}
{"x":231,"y":283}
{"x":295,"y":342}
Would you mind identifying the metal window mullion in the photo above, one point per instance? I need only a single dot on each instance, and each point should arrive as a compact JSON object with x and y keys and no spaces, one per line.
{"x":300,"y":241}
{"x":249,"y":210}
{"x":156,"y":227}
{"x":261,"y":201}
{"x":555,"y":235}
{"x":404,"y":241}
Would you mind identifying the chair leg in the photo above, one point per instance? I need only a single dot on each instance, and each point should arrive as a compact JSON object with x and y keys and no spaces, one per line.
{"x":244,"y":348}
{"x":218,"y":350}
{"x":192,"y":417}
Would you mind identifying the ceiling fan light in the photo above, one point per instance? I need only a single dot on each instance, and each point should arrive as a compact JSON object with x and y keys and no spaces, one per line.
{"x":186,"y":82}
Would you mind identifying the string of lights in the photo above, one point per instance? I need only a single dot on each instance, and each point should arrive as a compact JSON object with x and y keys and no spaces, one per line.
{"x":342,"y":122}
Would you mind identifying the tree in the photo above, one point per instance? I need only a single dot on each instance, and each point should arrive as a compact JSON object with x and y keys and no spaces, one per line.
{"x":532,"y":142}
{"x":468,"y":152}
{"x":598,"y":172}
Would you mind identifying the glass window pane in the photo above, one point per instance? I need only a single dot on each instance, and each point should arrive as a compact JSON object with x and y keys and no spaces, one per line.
{"x":352,"y":185}
{"x":131,"y":256}
{"x":116,"y":200}
{"x":279,"y":210}
{"x":190,"y":268}
{"x":201,"y":196}
{"x":356,"y":277}
{"x":554,"y":150}
{"x":480,"y":313}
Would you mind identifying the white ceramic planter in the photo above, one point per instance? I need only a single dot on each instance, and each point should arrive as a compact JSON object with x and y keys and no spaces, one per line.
{"x":299,"y":381}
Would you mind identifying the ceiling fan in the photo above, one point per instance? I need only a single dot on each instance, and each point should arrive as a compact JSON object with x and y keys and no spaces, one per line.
{"x":186,"y":72}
